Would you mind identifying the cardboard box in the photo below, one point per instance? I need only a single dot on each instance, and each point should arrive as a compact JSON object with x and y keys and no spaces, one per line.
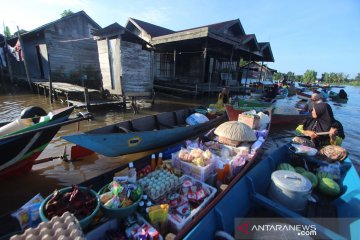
{"x":253,"y":121}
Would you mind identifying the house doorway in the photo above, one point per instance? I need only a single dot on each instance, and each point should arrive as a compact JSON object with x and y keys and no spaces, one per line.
{"x":40,"y":62}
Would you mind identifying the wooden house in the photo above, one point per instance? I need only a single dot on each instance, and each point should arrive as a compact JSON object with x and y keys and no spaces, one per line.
{"x":202,"y":59}
{"x":257,"y":72}
{"x":126,"y":62}
{"x":64,"y":49}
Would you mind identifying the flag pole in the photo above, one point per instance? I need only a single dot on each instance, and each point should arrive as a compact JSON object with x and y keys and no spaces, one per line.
{"x":23,"y":54}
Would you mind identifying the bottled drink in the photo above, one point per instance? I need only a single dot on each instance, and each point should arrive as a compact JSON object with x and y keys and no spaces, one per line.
{"x":141,"y":208}
{"x":153,"y":162}
{"x":131,"y":173}
{"x":160,"y":161}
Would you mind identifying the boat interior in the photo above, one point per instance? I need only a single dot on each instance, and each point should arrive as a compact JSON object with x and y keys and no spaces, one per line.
{"x":165,"y":120}
{"x":249,"y":198}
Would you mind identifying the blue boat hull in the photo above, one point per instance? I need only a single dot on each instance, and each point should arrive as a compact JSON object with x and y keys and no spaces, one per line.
{"x":108,"y":142}
{"x":250,"y":192}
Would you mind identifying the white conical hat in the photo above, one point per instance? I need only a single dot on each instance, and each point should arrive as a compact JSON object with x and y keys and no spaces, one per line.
{"x":236,"y":131}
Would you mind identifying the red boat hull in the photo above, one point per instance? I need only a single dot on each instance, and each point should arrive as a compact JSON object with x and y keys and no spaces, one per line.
{"x":20,"y":168}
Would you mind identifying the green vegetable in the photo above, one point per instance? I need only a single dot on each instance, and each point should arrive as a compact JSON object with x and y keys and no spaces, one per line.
{"x":321,"y":175}
{"x":313,"y":179}
{"x":329,"y":187}
{"x":300,"y":170}
{"x":286,"y":166}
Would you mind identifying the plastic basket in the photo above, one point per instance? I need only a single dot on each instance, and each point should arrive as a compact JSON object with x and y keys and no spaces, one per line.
{"x":200,"y":173}
{"x":83,"y":222}
{"x":119,"y":212}
{"x":175,"y":225}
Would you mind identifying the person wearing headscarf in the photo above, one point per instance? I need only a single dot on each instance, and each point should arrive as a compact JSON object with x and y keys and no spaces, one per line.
{"x":323,"y":121}
{"x":224,"y":96}
{"x":343,"y":94}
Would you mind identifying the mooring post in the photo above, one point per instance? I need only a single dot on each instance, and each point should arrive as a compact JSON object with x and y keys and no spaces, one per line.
{"x":86,"y":95}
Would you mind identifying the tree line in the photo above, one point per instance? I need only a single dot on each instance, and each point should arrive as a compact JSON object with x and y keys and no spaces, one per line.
{"x":310,"y":76}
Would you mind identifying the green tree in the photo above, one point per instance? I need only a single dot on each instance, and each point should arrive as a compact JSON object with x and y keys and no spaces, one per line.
{"x":310,"y":76}
{"x":290,"y":76}
{"x":357,"y":78}
{"x":66,"y":13}
{"x":298,"y":78}
{"x":277,"y":76}
{"x":7,"y":32}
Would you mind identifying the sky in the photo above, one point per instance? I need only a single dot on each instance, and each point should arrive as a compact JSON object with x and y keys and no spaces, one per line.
{"x":319,"y":35}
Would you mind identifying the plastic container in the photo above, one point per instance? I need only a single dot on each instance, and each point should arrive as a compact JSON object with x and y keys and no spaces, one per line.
{"x":85,"y":221}
{"x":200,"y":173}
{"x":119,"y":212}
{"x":174,"y":224}
{"x":290,"y":189}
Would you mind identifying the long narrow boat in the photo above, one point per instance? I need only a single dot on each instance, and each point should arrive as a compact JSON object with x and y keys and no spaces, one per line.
{"x":277,"y":119}
{"x":19,"y":149}
{"x":142,"y":134}
{"x":10,"y":226}
{"x":335,"y":97}
{"x":303,"y":96}
{"x":247,"y":197}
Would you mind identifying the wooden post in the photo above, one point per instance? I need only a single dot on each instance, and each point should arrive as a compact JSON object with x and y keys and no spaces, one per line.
{"x":204,"y":64}
{"x":174,"y":72}
{"x":50,"y":81}
{"x":230,"y":65}
{"x":262,"y":64}
{"x":25,"y":63}
{"x":86,"y":95}
{"x":8,"y":60}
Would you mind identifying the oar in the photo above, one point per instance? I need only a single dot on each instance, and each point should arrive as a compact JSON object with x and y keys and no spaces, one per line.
{"x":303,"y":136}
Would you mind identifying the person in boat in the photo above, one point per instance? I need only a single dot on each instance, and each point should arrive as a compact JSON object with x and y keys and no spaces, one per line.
{"x":315,"y":98}
{"x":224,"y":96}
{"x":271,"y":95}
{"x":342,"y":94}
{"x":322,"y":121}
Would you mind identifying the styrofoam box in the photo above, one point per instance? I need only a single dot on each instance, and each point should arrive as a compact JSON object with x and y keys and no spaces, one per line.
{"x":99,"y":232}
{"x":200,"y":173}
{"x":174,"y":225}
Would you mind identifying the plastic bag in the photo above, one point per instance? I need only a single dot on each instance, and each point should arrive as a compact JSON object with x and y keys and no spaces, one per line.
{"x":28,"y":214}
{"x":333,"y":169}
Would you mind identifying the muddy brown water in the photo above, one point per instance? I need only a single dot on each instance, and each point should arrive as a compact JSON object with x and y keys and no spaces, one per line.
{"x":46,"y":177}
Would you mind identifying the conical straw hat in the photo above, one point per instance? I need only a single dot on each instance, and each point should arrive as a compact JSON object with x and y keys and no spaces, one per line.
{"x":236,"y":131}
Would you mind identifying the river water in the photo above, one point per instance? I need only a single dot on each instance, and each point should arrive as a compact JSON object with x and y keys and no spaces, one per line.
{"x":46,"y":177}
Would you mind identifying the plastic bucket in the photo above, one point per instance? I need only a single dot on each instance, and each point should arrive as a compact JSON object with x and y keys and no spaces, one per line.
{"x":83,"y":222}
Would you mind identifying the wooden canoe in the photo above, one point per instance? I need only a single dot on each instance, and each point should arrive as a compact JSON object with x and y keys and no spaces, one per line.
{"x":142,"y":134}
{"x":276,"y":119}
{"x":303,"y":96}
{"x":247,"y":197}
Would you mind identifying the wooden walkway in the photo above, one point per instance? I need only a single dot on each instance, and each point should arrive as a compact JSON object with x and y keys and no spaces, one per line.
{"x":71,"y":91}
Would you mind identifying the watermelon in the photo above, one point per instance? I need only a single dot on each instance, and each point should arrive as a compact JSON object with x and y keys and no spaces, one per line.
{"x":312,"y":177}
{"x":285,"y":166}
{"x":300,"y":170}
{"x":329,"y":187}
{"x":321,"y":175}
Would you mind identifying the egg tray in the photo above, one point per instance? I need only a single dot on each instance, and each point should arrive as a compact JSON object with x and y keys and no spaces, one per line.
{"x":64,"y":227}
{"x":160,"y":199}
